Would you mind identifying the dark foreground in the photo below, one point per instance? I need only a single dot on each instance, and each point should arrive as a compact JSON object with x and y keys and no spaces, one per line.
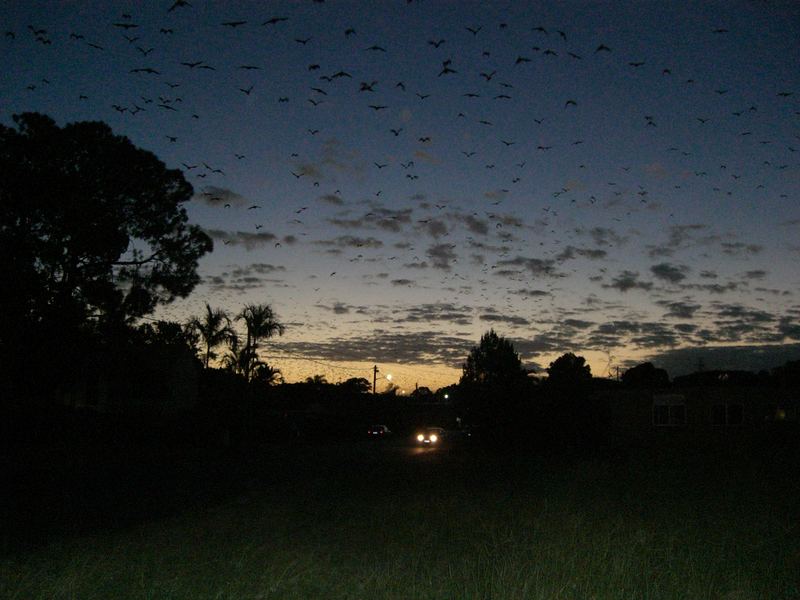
{"x":390,"y":520}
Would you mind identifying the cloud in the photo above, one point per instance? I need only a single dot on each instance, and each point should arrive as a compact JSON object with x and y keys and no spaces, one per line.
{"x":789,"y":328}
{"x":435,"y":228}
{"x":417,"y":265}
{"x":739,"y":248}
{"x":512,"y":319}
{"x":755,"y":274}
{"x":577,"y":324}
{"x":349,"y":241}
{"x":217,"y":196}
{"x":259,"y":268}
{"x":249,"y":240}
{"x":682,"y":361}
{"x":331,"y":199}
{"x":389,"y":219}
{"x":681,"y":237}
{"x":241,"y":279}
{"x":571,"y":252}
{"x":680,"y":309}
{"x":530,"y":293}
{"x":669,"y":272}
{"x":442,"y":256}
{"x":712,"y":288}
{"x":429,"y":347}
{"x":476,"y":225}
{"x":309,"y":170}
{"x":438,"y":312}
{"x":341,"y":309}
{"x":738,"y":311}
{"x":604,"y":236}
{"x":628,"y":280}
{"x":537,"y":267}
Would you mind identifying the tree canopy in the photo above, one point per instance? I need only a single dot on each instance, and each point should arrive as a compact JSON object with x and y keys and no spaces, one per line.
{"x":645,"y":375}
{"x":90,"y":225}
{"x":213,"y":328}
{"x":493,"y":361}
{"x":261,"y":323}
{"x":569,"y":369}
{"x":357,"y":385}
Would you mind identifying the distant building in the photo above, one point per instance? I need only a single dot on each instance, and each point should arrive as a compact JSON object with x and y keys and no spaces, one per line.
{"x":151,"y":380}
{"x":698,"y":412}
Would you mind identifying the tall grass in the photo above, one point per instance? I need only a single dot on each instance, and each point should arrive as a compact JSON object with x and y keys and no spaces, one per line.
{"x":325,"y":526}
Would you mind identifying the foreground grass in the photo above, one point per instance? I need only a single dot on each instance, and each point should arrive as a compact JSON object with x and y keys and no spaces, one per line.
{"x":466,"y":527}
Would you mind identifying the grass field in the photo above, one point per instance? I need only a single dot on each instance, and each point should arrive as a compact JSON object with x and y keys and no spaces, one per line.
{"x":362,"y":522}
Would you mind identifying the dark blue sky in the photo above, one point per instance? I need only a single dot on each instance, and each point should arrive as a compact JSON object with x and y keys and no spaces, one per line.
{"x":615,"y":179}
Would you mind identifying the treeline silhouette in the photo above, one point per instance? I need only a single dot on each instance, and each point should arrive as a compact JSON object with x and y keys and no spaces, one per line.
{"x":99,"y":403}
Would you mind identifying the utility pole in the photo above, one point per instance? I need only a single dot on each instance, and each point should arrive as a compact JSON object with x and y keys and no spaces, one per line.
{"x":374,"y":378}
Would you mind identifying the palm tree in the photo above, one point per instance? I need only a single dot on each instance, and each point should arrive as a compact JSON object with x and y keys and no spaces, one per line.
{"x":261,"y":324}
{"x":236,"y":356}
{"x":267,"y":374}
{"x":214,"y":329}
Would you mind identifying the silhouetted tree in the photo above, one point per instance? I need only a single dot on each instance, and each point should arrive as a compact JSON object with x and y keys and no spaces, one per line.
{"x":645,"y":375}
{"x":493,"y":383}
{"x":169,"y":333}
{"x":214,"y":329}
{"x":93,"y":235}
{"x":90,"y":225}
{"x":261,"y":324}
{"x":493,"y":361}
{"x":569,"y":370}
{"x":266,"y":374}
{"x":316,"y":380}
{"x":357,"y":385}
{"x":236,"y":356}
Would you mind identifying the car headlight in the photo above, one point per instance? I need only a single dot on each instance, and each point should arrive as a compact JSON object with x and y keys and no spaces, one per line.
{"x":420,"y":438}
{"x":434,"y":437}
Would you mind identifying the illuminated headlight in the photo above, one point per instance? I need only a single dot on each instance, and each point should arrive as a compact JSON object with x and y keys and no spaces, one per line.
{"x":434,"y":437}
{"x":420,"y":438}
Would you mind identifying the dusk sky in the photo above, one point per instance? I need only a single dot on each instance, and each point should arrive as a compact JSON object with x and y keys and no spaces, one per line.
{"x":615,"y":179}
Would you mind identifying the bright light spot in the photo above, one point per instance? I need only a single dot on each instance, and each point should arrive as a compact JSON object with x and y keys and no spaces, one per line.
{"x":389,"y":376}
{"x":420,"y":437}
{"x":434,"y":437}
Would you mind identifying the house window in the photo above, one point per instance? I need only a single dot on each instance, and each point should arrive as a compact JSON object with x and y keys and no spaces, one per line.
{"x":669,"y":410}
{"x":727,"y":414}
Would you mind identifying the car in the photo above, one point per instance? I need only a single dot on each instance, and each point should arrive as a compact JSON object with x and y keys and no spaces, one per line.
{"x":378,"y":431}
{"x":430,"y":436}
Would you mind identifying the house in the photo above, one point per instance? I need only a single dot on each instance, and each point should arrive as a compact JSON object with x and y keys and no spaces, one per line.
{"x":699,"y":412}
{"x":139,"y":380}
